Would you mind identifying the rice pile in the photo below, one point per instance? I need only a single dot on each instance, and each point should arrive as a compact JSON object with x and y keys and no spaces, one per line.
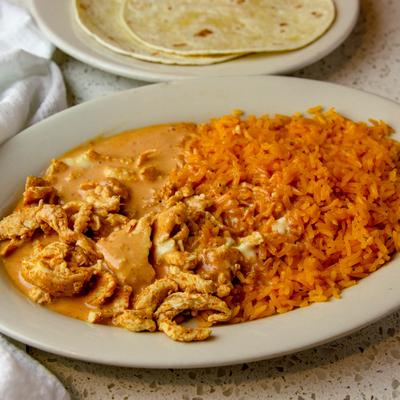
{"x":323,"y":190}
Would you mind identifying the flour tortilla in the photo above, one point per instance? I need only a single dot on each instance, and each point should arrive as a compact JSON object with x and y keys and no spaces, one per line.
{"x":102,"y":19}
{"x":190,"y":27}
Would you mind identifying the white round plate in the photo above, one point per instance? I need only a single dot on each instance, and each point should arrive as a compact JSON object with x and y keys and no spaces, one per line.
{"x":192,"y":100}
{"x":55,"y":18}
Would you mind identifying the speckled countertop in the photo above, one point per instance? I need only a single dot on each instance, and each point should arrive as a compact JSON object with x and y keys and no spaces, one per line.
{"x":365,"y":365}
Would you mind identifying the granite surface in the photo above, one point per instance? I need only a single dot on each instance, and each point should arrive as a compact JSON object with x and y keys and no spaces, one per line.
{"x":365,"y":365}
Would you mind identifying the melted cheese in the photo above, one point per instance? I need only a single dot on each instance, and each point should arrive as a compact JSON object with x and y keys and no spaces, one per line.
{"x":281,"y":226}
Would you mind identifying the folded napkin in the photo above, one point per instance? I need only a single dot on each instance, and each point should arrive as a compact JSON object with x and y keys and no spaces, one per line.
{"x":31,"y":86}
{"x":22,"y":378}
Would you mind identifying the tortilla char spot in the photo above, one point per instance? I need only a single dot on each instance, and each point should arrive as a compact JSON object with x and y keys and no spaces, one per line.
{"x":283,"y":24}
{"x":179,"y":44}
{"x":204,"y":32}
{"x":316,"y":14}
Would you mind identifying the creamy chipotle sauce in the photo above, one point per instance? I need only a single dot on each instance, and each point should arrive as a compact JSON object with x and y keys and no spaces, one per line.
{"x":140,"y":158}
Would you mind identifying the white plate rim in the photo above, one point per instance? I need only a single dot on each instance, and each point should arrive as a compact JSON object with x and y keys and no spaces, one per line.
{"x":274,"y":334}
{"x":72,"y":40}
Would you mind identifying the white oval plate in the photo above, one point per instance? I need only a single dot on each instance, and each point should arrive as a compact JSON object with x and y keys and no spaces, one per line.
{"x":55,"y":18}
{"x":191,"y":100}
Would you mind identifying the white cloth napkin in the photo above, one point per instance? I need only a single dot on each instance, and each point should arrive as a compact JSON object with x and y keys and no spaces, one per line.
{"x":23,"y":378}
{"x":31,"y":86}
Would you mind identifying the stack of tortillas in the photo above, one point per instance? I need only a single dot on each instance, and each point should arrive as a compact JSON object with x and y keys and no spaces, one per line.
{"x":200,"y":32}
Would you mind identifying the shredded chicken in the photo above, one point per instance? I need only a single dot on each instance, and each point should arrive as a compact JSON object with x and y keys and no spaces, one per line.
{"x":39,"y":296}
{"x":83,"y":218}
{"x":149,"y":173}
{"x":118,"y":303}
{"x":180,"y":333}
{"x":103,"y":289}
{"x":153,"y":295}
{"x":79,"y":214}
{"x":169,"y":227}
{"x":88,"y":246}
{"x":141,"y":317}
{"x":144,"y":157}
{"x":37,"y":189}
{"x":21,"y":224}
{"x":121,"y":173}
{"x":174,"y":196}
{"x":220,"y":265}
{"x":135,"y":321}
{"x":93,"y":155}
{"x":177,"y":303}
{"x":104,"y":226}
{"x":11,"y":245}
{"x":105,"y":196}
{"x":82,"y":254}
{"x":55,"y":167}
{"x":115,"y":221}
{"x":191,"y":282}
{"x":55,"y":217}
{"x":49,"y":270}
{"x":183,"y":259}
